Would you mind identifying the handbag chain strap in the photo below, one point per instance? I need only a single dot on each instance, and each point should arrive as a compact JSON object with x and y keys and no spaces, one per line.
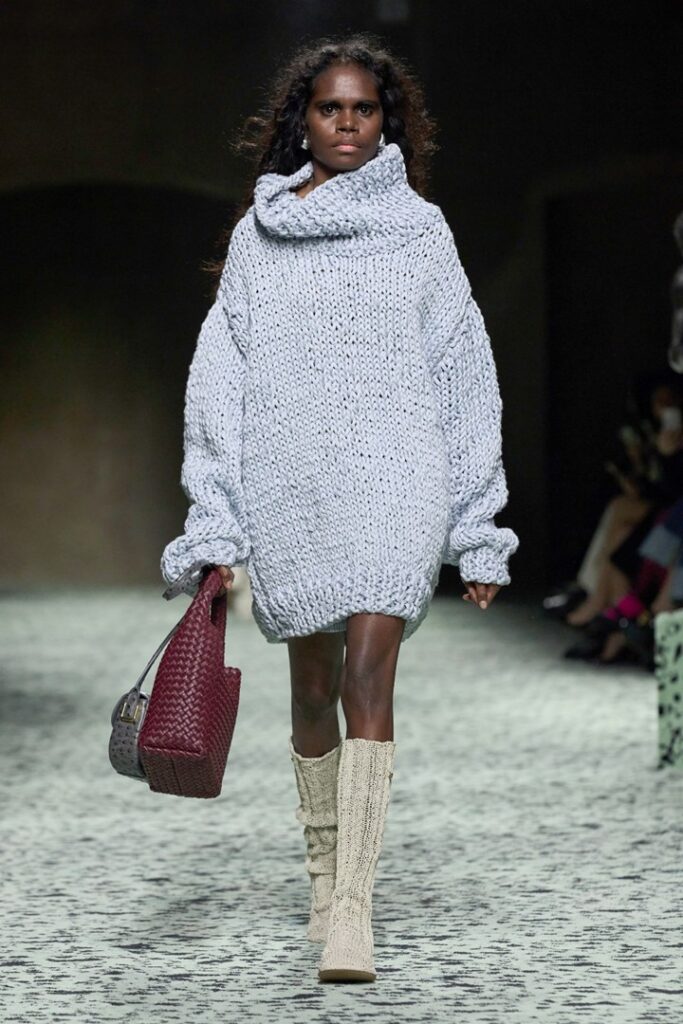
{"x":130,"y":708}
{"x":156,"y":655}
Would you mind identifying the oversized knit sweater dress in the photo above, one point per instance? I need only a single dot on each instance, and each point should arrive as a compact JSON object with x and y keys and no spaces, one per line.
{"x":342,"y":411}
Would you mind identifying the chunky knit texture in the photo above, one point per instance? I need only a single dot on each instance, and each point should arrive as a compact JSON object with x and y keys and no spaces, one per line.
{"x":363,"y":791}
{"x":316,"y":780}
{"x":342,"y":413}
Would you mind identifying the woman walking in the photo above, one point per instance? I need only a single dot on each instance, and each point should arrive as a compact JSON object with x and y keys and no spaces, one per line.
{"x":343,"y":441}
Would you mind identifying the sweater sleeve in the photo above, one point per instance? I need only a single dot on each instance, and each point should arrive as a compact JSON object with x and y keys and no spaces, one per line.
{"x":211,"y":475}
{"x":470,"y":409}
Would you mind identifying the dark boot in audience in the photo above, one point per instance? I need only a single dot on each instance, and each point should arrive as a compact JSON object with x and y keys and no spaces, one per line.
{"x":563,"y":600}
{"x":594,"y":634}
{"x":640,"y":636}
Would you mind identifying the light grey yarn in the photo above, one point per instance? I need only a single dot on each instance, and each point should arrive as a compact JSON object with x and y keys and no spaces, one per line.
{"x":342,"y":413}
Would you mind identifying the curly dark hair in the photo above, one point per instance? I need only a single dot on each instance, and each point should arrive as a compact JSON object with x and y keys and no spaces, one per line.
{"x":270,"y":139}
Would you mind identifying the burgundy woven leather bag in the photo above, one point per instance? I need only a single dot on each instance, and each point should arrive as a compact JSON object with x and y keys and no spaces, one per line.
{"x":190,"y":719}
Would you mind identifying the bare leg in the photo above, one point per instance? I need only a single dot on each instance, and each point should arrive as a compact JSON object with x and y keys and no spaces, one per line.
{"x":611,"y":647}
{"x":625,"y":512}
{"x":315,"y":663}
{"x":618,"y":584}
{"x":595,"y":602}
{"x":367,"y":690}
{"x":613,"y":585}
{"x":663,"y":601}
{"x":587,"y":575}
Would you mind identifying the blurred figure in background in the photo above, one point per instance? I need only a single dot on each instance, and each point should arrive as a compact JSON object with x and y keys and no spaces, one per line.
{"x":619,"y":587}
{"x":651,"y":481}
{"x":675,"y":353}
{"x":633,"y":567}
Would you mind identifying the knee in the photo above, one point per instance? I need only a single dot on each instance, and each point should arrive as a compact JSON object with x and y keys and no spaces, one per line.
{"x":619,"y":503}
{"x":626,"y":505}
{"x":316,"y":697}
{"x":364,"y":689}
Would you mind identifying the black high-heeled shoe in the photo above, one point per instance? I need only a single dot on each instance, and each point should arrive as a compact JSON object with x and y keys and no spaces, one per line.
{"x":640,"y":636}
{"x":587,"y":649}
{"x":624,"y":656}
{"x":601,"y":626}
{"x":558,"y":604}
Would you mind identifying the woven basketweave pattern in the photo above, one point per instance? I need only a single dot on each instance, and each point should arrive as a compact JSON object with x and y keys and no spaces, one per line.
{"x":190,"y":720}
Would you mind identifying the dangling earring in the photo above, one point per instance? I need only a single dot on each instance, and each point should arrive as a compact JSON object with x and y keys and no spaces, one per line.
{"x":381,"y":143}
{"x":304,"y":143}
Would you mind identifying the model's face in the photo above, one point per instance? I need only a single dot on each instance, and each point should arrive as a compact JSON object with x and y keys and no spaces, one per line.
{"x":344,"y":118}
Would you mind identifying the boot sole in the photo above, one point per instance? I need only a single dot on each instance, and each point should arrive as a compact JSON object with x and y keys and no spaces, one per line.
{"x":345,"y":974}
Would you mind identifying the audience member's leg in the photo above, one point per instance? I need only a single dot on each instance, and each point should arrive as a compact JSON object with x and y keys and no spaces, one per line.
{"x":593,"y":560}
{"x":664,"y":601}
{"x":622,"y":515}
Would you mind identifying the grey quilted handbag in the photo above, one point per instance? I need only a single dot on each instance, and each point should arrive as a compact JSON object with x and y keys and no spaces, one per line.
{"x":127,"y":718}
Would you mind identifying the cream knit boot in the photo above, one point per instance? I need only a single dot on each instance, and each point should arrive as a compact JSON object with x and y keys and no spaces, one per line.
{"x":316,"y":780}
{"x":365,"y":773}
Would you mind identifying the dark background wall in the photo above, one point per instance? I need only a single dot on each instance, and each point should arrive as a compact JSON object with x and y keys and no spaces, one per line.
{"x":560,"y":171}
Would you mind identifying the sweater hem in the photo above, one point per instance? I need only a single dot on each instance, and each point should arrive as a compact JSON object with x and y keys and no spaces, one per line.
{"x":309,"y":606}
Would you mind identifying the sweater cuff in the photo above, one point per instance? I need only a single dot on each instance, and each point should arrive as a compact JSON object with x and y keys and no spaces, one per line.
{"x":483,"y":565}
{"x":182,"y":564}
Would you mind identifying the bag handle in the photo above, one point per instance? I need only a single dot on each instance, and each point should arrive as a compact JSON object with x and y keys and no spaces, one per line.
{"x":205,"y":603}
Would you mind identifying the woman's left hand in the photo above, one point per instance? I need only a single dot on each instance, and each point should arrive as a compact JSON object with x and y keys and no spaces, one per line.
{"x":480,"y":594}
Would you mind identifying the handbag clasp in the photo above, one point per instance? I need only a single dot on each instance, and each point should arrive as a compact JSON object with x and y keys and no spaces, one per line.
{"x":130,"y":712}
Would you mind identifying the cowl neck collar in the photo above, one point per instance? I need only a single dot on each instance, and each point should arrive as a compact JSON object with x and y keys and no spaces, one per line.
{"x":370,"y":204}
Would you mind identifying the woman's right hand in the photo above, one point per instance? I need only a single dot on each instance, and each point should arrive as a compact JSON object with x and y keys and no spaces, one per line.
{"x":227,"y":576}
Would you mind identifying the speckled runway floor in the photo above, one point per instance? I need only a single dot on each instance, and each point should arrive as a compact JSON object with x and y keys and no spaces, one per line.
{"x":532,"y":868}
